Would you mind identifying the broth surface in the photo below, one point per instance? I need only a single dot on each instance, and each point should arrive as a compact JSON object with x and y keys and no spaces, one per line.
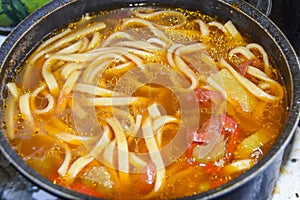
{"x":145,"y":103}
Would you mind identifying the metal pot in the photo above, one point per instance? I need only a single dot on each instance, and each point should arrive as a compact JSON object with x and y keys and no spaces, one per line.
{"x":256,"y":183}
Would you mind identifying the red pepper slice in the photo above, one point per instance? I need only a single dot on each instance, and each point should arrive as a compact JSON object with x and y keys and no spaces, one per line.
{"x":204,"y":97}
{"x":227,"y":127}
{"x":255,"y":62}
{"x":78,"y":187}
{"x":146,"y":180}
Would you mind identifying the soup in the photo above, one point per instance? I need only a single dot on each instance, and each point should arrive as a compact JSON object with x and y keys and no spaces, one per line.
{"x":145,"y":103}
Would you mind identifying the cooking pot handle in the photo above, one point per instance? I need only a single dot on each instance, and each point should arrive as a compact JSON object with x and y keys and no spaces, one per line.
{"x":264,"y":6}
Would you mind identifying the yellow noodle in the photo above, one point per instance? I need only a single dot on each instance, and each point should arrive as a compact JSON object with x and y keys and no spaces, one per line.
{"x":203,"y":27}
{"x":158,"y":14}
{"x":261,"y":50}
{"x":72,"y":48}
{"x":116,"y":36}
{"x":243,"y":51}
{"x":69,"y":68}
{"x":157,"y":32}
{"x":218,"y":25}
{"x":24,"y":106}
{"x":62,"y":170}
{"x":156,"y":157}
{"x":9,"y":117}
{"x":13,"y":89}
{"x":251,"y":87}
{"x":123,"y":159}
{"x":94,"y":42}
{"x":233,"y":31}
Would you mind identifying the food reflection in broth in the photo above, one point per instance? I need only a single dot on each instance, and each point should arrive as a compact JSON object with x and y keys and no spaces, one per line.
{"x":101,"y":104}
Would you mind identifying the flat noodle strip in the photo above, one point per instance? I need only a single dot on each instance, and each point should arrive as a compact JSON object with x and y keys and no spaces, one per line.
{"x":119,"y":50}
{"x":170,"y":54}
{"x":71,"y":37}
{"x":94,"y":90}
{"x":24,"y":107}
{"x":138,"y":44}
{"x":262,"y":51}
{"x":116,"y":36}
{"x":137,"y":161}
{"x":203,"y":27}
{"x":122,"y":68}
{"x":69,"y":68}
{"x":251,"y":87}
{"x":38,"y":90}
{"x":108,"y":153}
{"x":99,"y":65}
{"x":243,"y":51}
{"x":49,"y":97}
{"x":192,"y":48}
{"x":72,"y":48}
{"x":83,"y":161}
{"x":155,"y":157}
{"x":161,"y":121}
{"x":70,"y":82}
{"x":62,"y":170}
{"x":54,"y":38}
{"x":48,"y":108}
{"x":47,"y":69}
{"x":158,"y":33}
{"x":74,"y":139}
{"x":216,"y":86}
{"x":9,"y":117}
{"x":77,"y":166}
{"x":157,"y":41}
{"x":137,"y":60}
{"x":103,"y":142}
{"x":259,"y":74}
{"x":97,"y":72}
{"x":123,"y":159}
{"x":94,"y":42}
{"x":50,"y":79}
{"x":154,"y":111}
{"x":137,"y":126}
{"x":158,"y":125}
{"x":112,"y":101}
{"x":13,"y":89}
{"x":42,"y":52}
{"x":218,"y":25}
{"x":271,"y":83}
{"x":159,"y":14}
{"x":184,"y":68}
{"x":233,"y":31}
{"x":85,"y":43}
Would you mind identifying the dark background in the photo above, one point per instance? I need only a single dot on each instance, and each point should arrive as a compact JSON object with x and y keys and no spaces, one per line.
{"x":286,"y":14}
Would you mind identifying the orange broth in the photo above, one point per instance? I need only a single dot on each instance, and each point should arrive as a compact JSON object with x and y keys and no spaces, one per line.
{"x":249,"y":126}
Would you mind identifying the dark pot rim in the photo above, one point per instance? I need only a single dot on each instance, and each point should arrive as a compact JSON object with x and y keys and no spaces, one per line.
{"x":245,"y":9}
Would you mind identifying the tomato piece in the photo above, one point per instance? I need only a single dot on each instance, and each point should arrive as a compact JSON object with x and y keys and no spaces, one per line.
{"x":210,"y":167}
{"x":232,"y":131}
{"x":218,"y":182}
{"x":189,"y":153}
{"x":224,"y":125}
{"x":205,"y":97}
{"x":78,"y":187}
{"x":255,"y":62}
{"x":146,"y":180}
{"x":202,"y":135}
